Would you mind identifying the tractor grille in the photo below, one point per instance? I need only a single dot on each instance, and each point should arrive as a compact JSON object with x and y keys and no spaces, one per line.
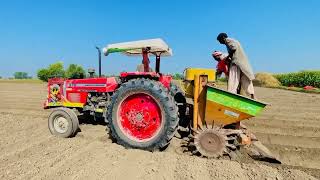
{"x":74,"y":97}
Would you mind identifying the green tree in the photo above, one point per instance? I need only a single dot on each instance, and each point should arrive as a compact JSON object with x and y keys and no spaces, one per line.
{"x":54,"y":70}
{"x":75,"y":71}
{"x":21,"y":75}
{"x":43,"y":74}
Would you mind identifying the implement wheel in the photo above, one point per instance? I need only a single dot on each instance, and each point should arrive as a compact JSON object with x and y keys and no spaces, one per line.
{"x":63,"y":122}
{"x":142,"y":115}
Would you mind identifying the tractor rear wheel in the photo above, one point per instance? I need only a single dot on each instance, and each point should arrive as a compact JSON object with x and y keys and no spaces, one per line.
{"x":63,"y":122}
{"x":142,"y":115}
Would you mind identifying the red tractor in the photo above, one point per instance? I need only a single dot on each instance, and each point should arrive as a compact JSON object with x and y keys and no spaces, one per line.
{"x":144,"y":108}
{"x":139,"y":107}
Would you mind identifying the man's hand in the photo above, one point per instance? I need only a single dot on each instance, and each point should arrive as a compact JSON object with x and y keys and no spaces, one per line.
{"x":230,"y":55}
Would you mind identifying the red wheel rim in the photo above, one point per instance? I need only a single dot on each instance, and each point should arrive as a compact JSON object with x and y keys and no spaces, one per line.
{"x":139,"y":117}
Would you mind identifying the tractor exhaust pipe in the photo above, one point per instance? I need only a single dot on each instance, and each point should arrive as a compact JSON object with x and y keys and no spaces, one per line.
{"x":99,"y":55}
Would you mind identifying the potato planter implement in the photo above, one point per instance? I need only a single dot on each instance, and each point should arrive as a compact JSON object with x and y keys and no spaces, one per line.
{"x":144,"y":108}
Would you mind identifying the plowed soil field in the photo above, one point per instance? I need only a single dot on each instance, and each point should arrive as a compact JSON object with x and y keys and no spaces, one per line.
{"x":290,"y":127}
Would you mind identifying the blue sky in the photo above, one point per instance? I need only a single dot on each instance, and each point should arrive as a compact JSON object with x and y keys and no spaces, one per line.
{"x":278,"y":36}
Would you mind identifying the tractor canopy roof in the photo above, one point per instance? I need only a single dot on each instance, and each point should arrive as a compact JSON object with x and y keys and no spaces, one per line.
{"x":133,"y":48}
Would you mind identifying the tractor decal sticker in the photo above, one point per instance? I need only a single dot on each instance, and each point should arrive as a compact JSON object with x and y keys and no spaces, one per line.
{"x":87,"y":85}
{"x":232,"y":114}
{"x":72,"y":104}
{"x":55,"y":94}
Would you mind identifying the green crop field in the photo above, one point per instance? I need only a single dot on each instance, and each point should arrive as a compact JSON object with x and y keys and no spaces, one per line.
{"x":300,"y":79}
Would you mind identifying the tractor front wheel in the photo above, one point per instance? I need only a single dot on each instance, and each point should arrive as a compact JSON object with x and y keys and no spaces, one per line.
{"x":63,"y":122}
{"x":142,"y":115}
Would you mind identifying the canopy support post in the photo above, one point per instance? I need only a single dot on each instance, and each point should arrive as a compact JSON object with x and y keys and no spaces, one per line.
{"x":157,"y":63}
{"x":145,"y":60}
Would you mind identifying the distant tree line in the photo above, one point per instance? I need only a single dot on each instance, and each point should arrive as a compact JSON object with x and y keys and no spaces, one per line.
{"x":21,"y":75}
{"x":74,"y":71}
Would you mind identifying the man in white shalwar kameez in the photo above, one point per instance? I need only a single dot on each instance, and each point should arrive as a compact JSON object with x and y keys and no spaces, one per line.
{"x":240,"y":71}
